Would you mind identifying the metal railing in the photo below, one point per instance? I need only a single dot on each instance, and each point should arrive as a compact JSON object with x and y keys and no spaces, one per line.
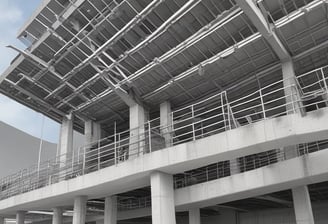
{"x":213,"y":115}
{"x":131,"y":203}
{"x":243,"y":164}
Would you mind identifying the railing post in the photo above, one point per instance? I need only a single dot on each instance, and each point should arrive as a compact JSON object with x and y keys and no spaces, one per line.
{"x":223,"y":113}
{"x":115,"y":148}
{"x":83,"y":162}
{"x":262,"y":103}
{"x":98,"y":156}
{"x":193,"y":124}
{"x":73,"y":154}
{"x":149,"y":136}
{"x":324,"y":80}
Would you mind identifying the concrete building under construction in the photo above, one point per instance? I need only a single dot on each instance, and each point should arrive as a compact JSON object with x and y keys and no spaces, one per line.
{"x":193,"y":111}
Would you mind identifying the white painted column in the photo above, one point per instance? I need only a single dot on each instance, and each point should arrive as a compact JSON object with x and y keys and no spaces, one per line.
{"x":57,"y":217}
{"x":20,"y":217}
{"x":110,"y":213}
{"x":162,"y":198}
{"x":66,"y":140}
{"x":137,"y":130}
{"x":92,"y":131}
{"x":166,"y":121}
{"x":302,"y":205}
{"x":292,"y":95}
{"x":80,"y":210}
{"x":194,"y":216}
{"x":291,"y":92}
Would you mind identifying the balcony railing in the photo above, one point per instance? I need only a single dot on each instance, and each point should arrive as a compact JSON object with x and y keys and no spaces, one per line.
{"x":213,"y":115}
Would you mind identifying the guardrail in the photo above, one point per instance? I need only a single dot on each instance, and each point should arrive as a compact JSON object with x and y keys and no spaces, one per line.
{"x":213,"y":115}
{"x":243,"y":164}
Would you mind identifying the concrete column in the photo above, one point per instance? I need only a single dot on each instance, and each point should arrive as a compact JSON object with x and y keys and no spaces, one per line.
{"x":20,"y":217}
{"x":302,"y":205}
{"x":166,"y":121}
{"x":66,"y":140}
{"x":92,"y":132}
{"x":110,"y":214}
{"x":137,"y":130}
{"x":57,"y":217}
{"x":80,"y":210}
{"x":162,"y":198}
{"x":2,"y":220}
{"x":292,"y":94}
{"x":194,"y":216}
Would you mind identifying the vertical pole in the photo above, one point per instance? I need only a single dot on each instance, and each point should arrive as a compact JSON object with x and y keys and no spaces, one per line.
{"x":83,"y":162}
{"x":40,"y":146}
{"x":229,"y":121}
{"x":223,"y":113}
{"x":98,"y":155}
{"x":193,"y":125}
{"x":115,"y":144}
{"x":262,"y":103}
{"x":149,"y":136}
{"x":72,"y":168}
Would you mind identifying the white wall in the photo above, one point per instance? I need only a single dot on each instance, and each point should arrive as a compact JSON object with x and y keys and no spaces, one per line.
{"x":19,"y":150}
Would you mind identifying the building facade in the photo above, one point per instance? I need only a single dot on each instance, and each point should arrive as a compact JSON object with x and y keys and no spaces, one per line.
{"x":193,"y":111}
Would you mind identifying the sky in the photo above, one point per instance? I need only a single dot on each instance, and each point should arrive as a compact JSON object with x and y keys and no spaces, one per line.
{"x":13,"y":15}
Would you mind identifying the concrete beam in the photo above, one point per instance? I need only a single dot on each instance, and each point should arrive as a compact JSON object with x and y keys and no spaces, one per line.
{"x":260,"y":22}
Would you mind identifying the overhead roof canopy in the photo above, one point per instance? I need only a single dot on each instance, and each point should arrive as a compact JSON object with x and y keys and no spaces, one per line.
{"x":81,"y":52}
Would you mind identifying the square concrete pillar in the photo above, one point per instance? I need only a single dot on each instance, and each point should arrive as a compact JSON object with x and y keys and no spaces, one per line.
{"x":66,"y":140}
{"x":80,"y":210}
{"x":2,"y":220}
{"x":110,"y":213}
{"x":194,"y":216}
{"x":92,"y":132}
{"x":20,"y":217}
{"x":137,"y":131}
{"x":57,"y":217}
{"x":162,"y":198}
{"x":302,"y":205}
{"x":292,"y":94}
{"x":166,"y":123}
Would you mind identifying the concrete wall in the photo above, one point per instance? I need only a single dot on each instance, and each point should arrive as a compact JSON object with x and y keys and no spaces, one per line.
{"x":19,"y":150}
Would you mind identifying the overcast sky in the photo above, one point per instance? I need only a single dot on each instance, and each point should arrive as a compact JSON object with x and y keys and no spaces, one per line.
{"x":13,"y":14}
